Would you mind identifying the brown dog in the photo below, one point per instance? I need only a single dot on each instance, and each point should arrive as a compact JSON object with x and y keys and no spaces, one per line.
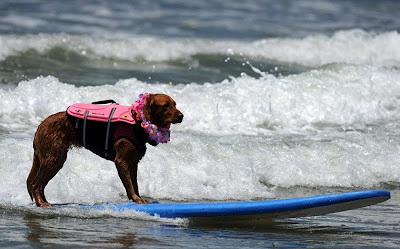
{"x":58,"y":133}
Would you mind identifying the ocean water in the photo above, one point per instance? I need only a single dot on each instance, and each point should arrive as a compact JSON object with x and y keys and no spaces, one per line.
{"x":281,"y":99}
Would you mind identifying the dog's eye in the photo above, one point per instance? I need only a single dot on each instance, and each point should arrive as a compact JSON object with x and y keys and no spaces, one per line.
{"x":165,"y":105}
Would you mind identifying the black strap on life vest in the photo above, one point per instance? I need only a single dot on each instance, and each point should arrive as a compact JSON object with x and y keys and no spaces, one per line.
{"x":108,"y":130}
{"x":108,"y":125}
{"x":84,"y":128}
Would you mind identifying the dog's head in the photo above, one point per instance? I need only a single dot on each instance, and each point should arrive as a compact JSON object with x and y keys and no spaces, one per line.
{"x":160,"y":109}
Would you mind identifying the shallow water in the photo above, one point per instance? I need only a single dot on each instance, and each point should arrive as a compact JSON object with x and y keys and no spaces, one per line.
{"x":281,"y":99}
{"x":375,"y":226}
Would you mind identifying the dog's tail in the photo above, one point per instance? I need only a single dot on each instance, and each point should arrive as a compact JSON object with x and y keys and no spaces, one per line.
{"x":33,"y":174}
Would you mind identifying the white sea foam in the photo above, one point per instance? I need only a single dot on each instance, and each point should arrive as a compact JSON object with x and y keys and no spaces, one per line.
{"x":337,"y":95}
{"x":352,"y":46}
{"x":239,"y":139}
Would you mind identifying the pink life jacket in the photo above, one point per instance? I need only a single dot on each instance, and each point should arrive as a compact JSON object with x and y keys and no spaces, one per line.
{"x":103,"y":113}
{"x":107,"y":114}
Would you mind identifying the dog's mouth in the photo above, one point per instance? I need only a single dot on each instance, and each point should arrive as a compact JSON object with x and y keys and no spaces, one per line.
{"x":178,"y":119}
{"x":172,"y":120}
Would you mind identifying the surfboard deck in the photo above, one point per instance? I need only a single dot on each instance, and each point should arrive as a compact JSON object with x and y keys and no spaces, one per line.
{"x":258,"y":210}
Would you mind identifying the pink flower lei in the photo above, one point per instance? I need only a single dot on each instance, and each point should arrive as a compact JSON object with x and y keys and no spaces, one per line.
{"x":155,"y":133}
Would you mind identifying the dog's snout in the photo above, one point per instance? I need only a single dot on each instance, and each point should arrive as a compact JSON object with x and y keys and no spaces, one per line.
{"x":179,"y":118}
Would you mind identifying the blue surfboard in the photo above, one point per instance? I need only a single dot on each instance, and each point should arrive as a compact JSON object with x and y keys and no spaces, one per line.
{"x":259,"y":210}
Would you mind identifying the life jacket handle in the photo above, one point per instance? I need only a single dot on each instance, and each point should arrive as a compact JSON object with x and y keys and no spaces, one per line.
{"x":101,"y":102}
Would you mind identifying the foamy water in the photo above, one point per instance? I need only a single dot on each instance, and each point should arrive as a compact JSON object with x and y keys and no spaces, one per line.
{"x":330,"y":127}
{"x":351,"y":46}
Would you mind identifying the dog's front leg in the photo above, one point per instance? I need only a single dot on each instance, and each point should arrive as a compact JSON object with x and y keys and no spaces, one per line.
{"x":133,"y":167}
{"x":126,"y":160}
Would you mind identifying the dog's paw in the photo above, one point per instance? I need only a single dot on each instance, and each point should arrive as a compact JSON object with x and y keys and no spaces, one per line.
{"x":139,"y":200}
{"x":45,"y":204}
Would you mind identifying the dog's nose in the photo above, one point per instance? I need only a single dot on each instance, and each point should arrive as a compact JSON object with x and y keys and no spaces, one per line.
{"x":179,"y":118}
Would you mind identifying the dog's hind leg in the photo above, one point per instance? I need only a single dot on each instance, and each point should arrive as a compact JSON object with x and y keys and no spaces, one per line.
{"x":54,"y":136}
{"x":52,"y":169}
{"x":33,"y":175}
{"x":34,"y":182}
{"x":49,"y":167}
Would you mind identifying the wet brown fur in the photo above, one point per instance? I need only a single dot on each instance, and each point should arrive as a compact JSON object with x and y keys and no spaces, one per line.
{"x":56,"y":135}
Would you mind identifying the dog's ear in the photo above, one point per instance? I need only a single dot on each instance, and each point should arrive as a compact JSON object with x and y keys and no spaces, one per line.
{"x":148,"y":106}
{"x":151,"y":110}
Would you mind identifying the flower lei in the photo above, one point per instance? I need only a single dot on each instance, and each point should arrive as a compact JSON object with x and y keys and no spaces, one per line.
{"x":155,"y":133}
